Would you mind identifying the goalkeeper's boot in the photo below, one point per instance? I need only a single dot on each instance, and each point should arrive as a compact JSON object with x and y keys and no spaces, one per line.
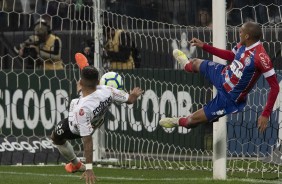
{"x":70,"y":168}
{"x":169,"y":122}
{"x":180,"y":57}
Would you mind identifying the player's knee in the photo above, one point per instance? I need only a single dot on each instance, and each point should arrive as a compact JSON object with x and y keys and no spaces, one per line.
{"x":196,"y":63}
{"x":56,"y":139}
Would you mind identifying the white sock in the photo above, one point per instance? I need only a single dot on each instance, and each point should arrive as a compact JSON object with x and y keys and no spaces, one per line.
{"x":67,"y":151}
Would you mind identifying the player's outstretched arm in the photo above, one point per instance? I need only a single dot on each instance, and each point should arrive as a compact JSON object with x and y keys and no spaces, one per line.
{"x":272,"y":96}
{"x":88,"y":175}
{"x":222,"y":53}
{"x":134,"y":94}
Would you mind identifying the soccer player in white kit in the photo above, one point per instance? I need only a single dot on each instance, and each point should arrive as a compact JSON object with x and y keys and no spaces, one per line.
{"x":86,"y":113}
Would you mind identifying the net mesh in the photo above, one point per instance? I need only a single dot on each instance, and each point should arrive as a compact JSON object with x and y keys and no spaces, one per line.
{"x":33,"y":99}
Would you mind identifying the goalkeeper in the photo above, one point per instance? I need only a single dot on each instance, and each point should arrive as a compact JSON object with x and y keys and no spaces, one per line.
{"x":86,"y":114}
{"x":233,"y":82}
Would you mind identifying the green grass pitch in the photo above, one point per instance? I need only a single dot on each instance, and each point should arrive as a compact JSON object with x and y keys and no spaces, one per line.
{"x":57,"y":175}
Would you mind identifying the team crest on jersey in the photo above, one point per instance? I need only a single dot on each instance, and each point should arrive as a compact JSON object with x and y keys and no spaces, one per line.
{"x":81,"y":112}
{"x":247,"y":61}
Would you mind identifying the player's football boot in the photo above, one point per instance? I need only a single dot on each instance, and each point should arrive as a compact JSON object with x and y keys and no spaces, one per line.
{"x":70,"y":168}
{"x":169,"y":122}
{"x":81,"y":60}
{"x":180,"y":57}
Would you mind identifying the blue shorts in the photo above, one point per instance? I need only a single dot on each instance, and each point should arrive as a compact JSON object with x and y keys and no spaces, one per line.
{"x":222,"y":103}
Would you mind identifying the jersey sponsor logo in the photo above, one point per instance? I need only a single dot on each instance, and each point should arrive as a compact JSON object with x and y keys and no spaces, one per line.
{"x":264,"y":59}
{"x":81,"y":112}
{"x":103,"y":106}
{"x":32,"y":145}
{"x":236,"y":68}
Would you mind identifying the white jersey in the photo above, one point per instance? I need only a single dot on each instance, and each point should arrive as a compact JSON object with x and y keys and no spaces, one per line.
{"x":87,"y":113}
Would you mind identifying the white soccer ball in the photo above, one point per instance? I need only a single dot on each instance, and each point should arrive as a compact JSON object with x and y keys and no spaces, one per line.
{"x":112,"y":79}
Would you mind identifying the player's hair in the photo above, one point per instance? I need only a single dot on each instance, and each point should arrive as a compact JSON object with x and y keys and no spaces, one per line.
{"x":89,"y":77}
{"x":254,"y":30}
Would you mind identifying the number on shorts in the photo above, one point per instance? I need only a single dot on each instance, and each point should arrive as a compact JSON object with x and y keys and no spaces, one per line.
{"x":59,"y":130}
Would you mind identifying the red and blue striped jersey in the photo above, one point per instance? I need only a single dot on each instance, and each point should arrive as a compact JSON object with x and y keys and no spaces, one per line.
{"x":246,"y":68}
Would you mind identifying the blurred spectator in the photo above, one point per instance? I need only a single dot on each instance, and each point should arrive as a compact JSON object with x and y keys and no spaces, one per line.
{"x":28,"y":50}
{"x":44,"y":48}
{"x":88,"y":51}
{"x":118,"y":50}
{"x":204,"y":18}
{"x":204,"y":13}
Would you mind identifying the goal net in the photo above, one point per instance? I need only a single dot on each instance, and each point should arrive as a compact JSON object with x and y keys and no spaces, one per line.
{"x":33,"y":98}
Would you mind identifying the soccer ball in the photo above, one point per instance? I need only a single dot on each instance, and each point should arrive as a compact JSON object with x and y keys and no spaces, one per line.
{"x":112,"y":79}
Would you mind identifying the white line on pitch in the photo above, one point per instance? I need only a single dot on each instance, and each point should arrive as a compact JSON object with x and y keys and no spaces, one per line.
{"x":144,"y":179}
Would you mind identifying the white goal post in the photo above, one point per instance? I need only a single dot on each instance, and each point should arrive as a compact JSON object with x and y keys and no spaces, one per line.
{"x":98,"y":136}
{"x":219,"y":128}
